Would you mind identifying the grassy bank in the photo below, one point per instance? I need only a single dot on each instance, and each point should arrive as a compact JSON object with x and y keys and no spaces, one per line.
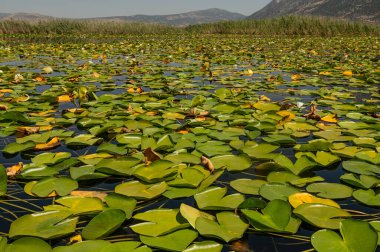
{"x":293,"y":25}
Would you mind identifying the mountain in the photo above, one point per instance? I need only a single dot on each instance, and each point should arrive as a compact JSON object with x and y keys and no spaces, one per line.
{"x":364,"y":10}
{"x":4,"y":15}
{"x":183,"y":19}
{"x":24,"y":16}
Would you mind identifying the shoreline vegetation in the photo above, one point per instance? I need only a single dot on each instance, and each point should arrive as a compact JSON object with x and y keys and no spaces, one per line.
{"x":289,"y":25}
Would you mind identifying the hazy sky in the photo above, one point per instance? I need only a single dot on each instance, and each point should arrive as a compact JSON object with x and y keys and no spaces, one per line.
{"x":98,"y":8}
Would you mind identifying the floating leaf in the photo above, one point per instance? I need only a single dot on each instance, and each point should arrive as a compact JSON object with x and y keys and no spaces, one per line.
{"x":232,"y":162}
{"x":272,"y":191}
{"x":13,"y":148}
{"x":330,"y":190}
{"x":191,"y":214}
{"x":62,"y":186}
{"x":103,"y":224}
{"x":159,"y":222}
{"x":357,"y":236}
{"x":177,"y":241}
{"x":45,"y":225}
{"x":275,"y":217}
{"x":247,"y":186}
{"x":86,"y":246}
{"x":214,"y":199}
{"x":320,"y":215}
{"x":228,"y":227}
{"x":367,"y":197}
{"x":142,"y":191}
{"x":28,"y":244}
{"x":301,"y":198}
{"x":205,"y":246}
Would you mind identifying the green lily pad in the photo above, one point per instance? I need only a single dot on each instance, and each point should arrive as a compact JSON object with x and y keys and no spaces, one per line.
{"x":28,"y":244}
{"x":157,"y":171}
{"x":360,"y":167}
{"x":188,"y":177}
{"x":330,"y":190}
{"x":367,"y":197}
{"x":122,"y":202}
{"x":86,"y":246}
{"x":14,"y":148}
{"x":213,"y":148}
{"x":364,"y":181}
{"x":45,"y":225}
{"x":228,"y":227}
{"x":130,"y":140}
{"x":275,"y":217}
{"x":112,"y":149}
{"x":178,"y":158}
{"x":130,"y":246}
{"x":62,"y":186}
{"x":214,"y":198}
{"x":117,"y":166}
{"x":369,"y":156}
{"x":140,"y":190}
{"x":191,"y":214}
{"x":205,"y":246}
{"x":51,"y":158}
{"x":159,"y":222}
{"x":272,"y":191}
{"x":231,"y":162}
{"x":320,"y":215}
{"x":77,"y":205}
{"x":103,"y":224}
{"x":177,"y":241}
{"x":85,"y":139}
{"x":260,"y":151}
{"x":86,"y":172}
{"x":357,"y":236}
{"x":247,"y":186}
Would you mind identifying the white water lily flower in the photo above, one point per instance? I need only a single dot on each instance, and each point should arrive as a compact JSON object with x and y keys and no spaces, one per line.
{"x":300,"y":104}
{"x":18,"y":77}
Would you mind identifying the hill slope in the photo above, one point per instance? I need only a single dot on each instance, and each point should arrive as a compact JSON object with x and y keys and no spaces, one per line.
{"x":183,"y":19}
{"x":364,"y":10}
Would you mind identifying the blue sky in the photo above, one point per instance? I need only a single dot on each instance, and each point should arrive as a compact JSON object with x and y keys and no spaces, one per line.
{"x":97,"y":8}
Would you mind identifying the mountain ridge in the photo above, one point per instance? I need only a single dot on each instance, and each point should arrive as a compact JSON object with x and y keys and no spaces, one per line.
{"x":357,"y":10}
{"x":180,"y":19}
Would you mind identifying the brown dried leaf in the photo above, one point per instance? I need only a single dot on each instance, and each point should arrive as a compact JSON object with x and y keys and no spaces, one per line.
{"x":91,"y":194}
{"x":15,"y":169}
{"x":55,"y":141}
{"x":208,"y":164}
{"x":151,"y":156}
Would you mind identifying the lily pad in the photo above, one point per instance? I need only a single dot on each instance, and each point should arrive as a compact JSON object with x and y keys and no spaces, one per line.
{"x":28,"y":244}
{"x":357,"y":236}
{"x":205,"y":246}
{"x":330,"y":190}
{"x":159,"y":222}
{"x":275,"y":217}
{"x":214,"y":198}
{"x":272,"y":191}
{"x":177,"y":241}
{"x":367,"y":197}
{"x":86,"y":246}
{"x":45,"y":225}
{"x":103,"y":224}
{"x":232,"y":162}
{"x":320,"y":215}
{"x":247,"y":186}
{"x":140,"y":190}
{"x":62,"y":186}
{"x":14,"y":148}
{"x":228,"y":227}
